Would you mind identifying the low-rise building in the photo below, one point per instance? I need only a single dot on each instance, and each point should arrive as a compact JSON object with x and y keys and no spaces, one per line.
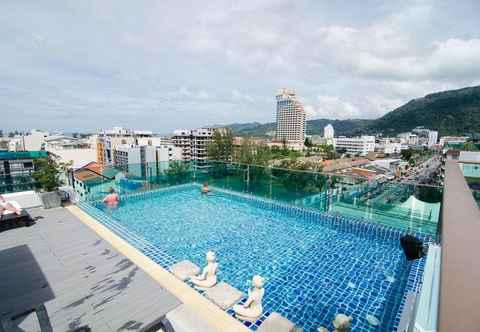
{"x":355,"y":145}
{"x":409,"y":138}
{"x":389,"y":146}
{"x":76,"y":151}
{"x":453,"y":140}
{"x":35,"y":140}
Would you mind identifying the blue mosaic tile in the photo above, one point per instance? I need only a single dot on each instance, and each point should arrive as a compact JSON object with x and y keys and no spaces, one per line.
{"x":316,"y":264}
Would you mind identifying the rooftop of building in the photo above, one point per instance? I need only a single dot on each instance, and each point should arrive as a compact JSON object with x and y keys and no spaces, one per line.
{"x":9,"y":155}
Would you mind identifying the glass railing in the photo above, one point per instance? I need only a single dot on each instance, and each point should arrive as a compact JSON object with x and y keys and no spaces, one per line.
{"x":17,"y":183}
{"x":471,"y":172}
{"x":401,"y":205}
{"x":476,"y":195}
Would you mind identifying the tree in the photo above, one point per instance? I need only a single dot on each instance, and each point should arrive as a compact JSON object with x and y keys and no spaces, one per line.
{"x":407,"y":154}
{"x":176,"y":168}
{"x":469,"y":146}
{"x":246,"y":154}
{"x":221,"y":148}
{"x":47,"y":173}
{"x":284,"y":144}
{"x":308,"y":142}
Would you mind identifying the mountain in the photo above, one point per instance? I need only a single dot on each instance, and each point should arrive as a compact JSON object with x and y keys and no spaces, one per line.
{"x":454,"y":112}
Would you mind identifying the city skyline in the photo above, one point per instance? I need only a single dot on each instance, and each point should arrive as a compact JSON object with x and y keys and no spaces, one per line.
{"x":82,"y":66}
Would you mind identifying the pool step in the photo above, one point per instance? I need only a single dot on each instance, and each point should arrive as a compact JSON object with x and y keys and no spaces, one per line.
{"x":183,"y":319}
{"x":277,"y":323}
{"x":184,"y":270}
{"x":223,"y":295}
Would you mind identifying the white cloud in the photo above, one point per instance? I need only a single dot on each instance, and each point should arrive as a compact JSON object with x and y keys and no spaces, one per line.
{"x":332,"y":107}
{"x":225,"y":61}
{"x":239,"y":96}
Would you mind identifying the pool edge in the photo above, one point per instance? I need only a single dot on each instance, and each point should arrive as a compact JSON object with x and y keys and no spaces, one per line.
{"x":204,"y":309}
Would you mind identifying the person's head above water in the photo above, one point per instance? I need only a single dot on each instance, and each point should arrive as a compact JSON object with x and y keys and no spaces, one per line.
{"x":111,"y":190}
{"x":205,"y":184}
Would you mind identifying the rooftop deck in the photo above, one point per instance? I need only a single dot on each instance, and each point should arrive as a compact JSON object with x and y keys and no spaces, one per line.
{"x":81,"y":280}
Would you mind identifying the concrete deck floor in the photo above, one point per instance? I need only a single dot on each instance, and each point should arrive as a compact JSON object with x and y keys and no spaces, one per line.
{"x":81,"y":280}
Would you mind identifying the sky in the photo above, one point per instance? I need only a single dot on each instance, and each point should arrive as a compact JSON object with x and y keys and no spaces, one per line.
{"x":160,"y":65}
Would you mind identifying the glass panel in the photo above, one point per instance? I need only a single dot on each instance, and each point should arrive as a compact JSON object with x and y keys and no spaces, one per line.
{"x":11,"y":184}
{"x":405,"y":206}
{"x":471,"y":172}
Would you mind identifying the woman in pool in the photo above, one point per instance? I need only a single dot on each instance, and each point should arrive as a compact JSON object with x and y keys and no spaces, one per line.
{"x":205,"y":189}
{"x":6,"y":206}
{"x":112,"y":199}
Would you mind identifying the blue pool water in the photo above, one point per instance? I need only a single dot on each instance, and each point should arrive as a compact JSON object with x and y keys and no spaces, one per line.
{"x":315,"y":265}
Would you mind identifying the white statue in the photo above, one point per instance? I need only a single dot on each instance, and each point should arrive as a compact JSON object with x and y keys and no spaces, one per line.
{"x":342,"y":323}
{"x":252,"y":309}
{"x":208,"y":277}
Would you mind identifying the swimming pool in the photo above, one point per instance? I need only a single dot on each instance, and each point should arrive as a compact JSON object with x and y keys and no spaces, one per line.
{"x":315,"y":265}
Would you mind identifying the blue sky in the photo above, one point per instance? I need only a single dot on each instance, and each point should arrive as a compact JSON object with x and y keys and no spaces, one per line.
{"x":82,"y":65}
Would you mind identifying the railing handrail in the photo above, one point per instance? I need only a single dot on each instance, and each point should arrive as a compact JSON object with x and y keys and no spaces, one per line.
{"x":460,"y":270}
{"x":357,"y":177}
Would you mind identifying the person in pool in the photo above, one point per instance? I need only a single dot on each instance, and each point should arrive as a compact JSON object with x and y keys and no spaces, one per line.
{"x":205,"y":189}
{"x":112,"y":199}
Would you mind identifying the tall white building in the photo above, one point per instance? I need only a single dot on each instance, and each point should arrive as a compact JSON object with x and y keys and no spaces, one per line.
{"x":291,"y":125}
{"x":355,"y":145}
{"x":328,"y":131}
{"x":194,"y":143}
{"x":432,"y":138}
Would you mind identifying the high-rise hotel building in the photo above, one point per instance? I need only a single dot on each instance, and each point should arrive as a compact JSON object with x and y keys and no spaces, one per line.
{"x":291,"y":124}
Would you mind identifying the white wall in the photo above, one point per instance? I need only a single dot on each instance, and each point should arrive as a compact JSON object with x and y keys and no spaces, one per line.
{"x":35,"y":140}
{"x":80,"y":157}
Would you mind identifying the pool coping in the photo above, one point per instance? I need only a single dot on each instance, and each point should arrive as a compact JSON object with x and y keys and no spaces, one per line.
{"x":205,"y":310}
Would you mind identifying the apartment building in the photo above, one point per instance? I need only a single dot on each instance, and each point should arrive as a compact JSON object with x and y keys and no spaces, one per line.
{"x":291,"y":124}
{"x":355,"y":145}
{"x":409,"y":138}
{"x":389,"y":145}
{"x":194,"y":144}
{"x":145,"y":160}
{"x":109,"y":139}
{"x":426,"y":136}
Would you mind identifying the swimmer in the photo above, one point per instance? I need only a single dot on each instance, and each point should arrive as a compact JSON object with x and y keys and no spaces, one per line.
{"x":112,"y":199}
{"x":205,"y":189}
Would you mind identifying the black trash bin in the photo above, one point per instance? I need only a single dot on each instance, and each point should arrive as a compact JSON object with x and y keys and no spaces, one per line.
{"x":412,"y":247}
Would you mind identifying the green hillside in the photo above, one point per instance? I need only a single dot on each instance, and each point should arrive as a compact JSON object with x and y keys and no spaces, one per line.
{"x":454,"y":112}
